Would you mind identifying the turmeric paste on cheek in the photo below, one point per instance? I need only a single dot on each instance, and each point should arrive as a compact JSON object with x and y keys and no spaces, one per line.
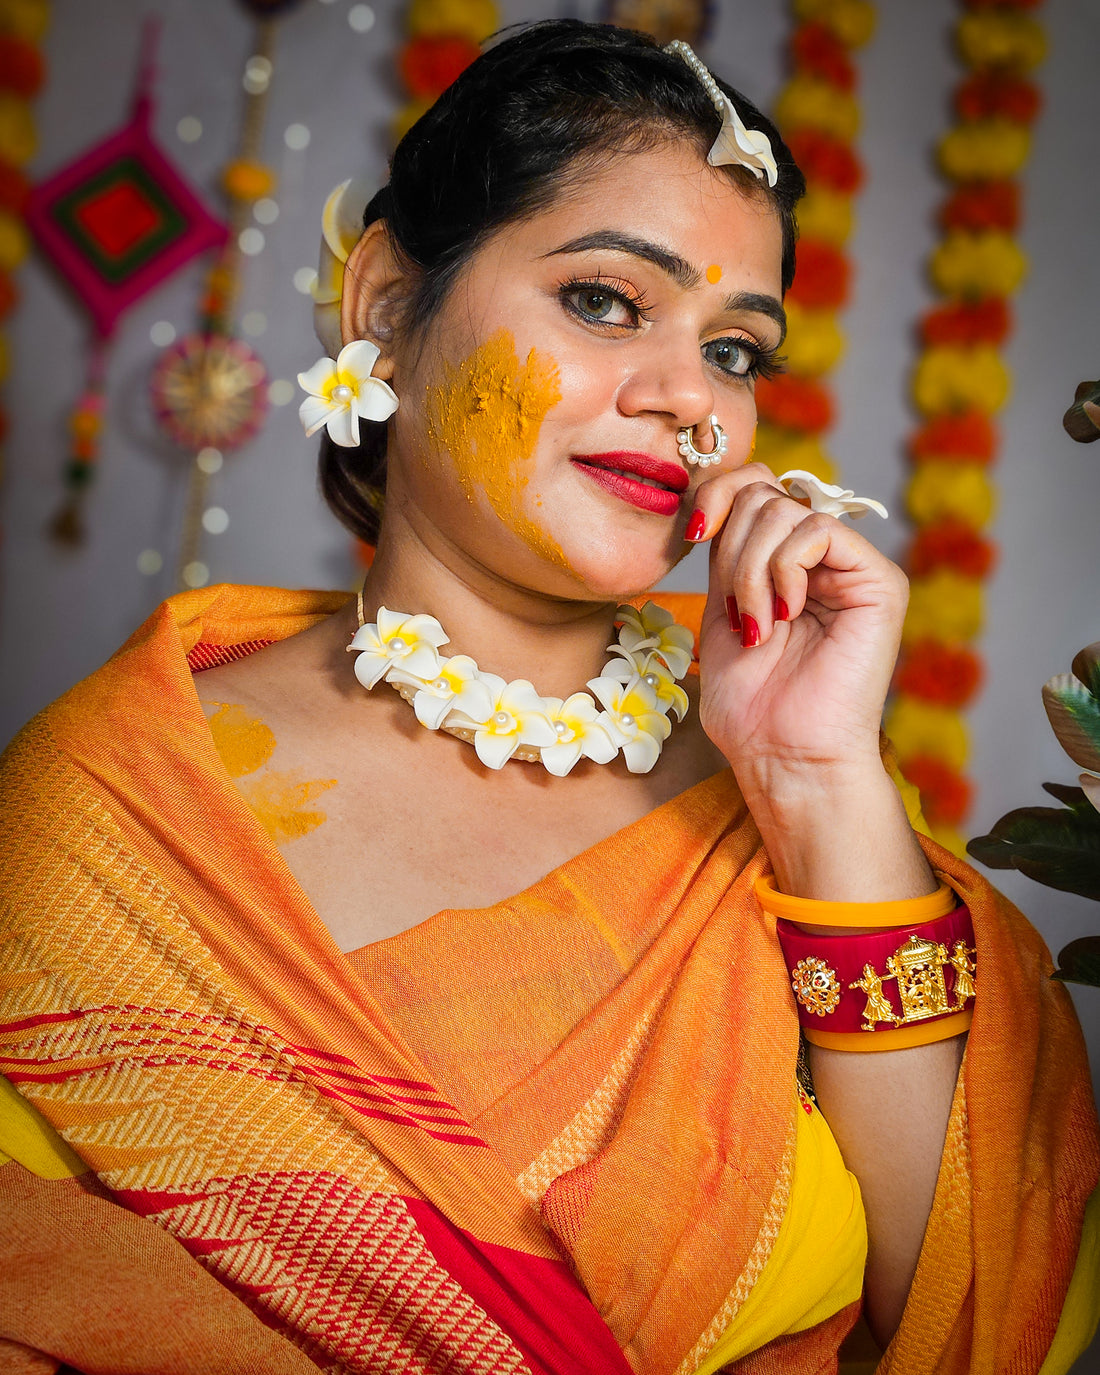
{"x":486,"y":414}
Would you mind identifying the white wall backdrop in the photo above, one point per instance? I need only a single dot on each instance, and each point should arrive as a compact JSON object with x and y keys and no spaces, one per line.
{"x":62,"y":612}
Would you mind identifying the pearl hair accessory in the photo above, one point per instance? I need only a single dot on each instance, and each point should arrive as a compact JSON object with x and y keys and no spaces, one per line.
{"x":685,"y":438}
{"x":637,"y":688}
{"x":735,"y":143}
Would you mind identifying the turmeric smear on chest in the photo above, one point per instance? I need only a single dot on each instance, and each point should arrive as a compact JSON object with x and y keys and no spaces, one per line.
{"x":487,"y":413}
{"x":280,"y":801}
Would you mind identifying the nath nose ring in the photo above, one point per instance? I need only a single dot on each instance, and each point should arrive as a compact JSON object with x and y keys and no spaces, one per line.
{"x":685,"y":438}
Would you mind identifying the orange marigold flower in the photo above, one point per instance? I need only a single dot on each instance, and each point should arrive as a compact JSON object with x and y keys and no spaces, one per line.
{"x":817,"y":51}
{"x":795,"y":403}
{"x":968,"y":322}
{"x":945,"y":795}
{"x":22,"y":69}
{"x":967,"y":435}
{"x":822,"y":278}
{"x":951,"y":544}
{"x":9,"y":295}
{"x":948,"y":675}
{"x":14,"y":188}
{"x":430,"y":63}
{"x":982,"y":205}
{"x":990,"y":94}
{"x":826,"y":159}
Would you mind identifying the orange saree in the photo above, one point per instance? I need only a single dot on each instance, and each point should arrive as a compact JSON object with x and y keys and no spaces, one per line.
{"x":554,"y":1136}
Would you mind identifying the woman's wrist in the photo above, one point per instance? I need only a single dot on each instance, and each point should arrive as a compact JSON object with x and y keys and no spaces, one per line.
{"x":837,"y":833}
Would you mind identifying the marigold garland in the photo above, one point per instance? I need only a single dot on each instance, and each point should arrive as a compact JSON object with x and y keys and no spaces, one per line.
{"x":22,"y":72}
{"x":818,"y":112}
{"x":959,"y":383}
{"x":444,"y":37}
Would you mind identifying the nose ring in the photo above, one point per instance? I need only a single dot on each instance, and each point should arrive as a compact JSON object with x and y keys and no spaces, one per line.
{"x":685,"y":438}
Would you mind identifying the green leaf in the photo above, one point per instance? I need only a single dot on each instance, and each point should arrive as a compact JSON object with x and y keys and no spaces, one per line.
{"x":1079,"y":962}
{"x":1074,"y":798}
{"x":1059,"y":847}
{"x":1075,"y":715}
{"x":1086,"y":665}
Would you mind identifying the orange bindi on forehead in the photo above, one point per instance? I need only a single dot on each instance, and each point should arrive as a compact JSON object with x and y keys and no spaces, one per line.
{"x":714,"y":274}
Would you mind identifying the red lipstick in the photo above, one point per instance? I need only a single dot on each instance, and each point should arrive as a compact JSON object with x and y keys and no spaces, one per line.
{"x":630,"y":477}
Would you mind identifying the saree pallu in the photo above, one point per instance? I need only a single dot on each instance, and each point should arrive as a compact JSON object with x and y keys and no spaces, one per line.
{"x":585,"y":1164}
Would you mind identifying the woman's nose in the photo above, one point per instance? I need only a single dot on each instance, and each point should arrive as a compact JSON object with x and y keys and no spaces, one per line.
{"x":669,"y":379}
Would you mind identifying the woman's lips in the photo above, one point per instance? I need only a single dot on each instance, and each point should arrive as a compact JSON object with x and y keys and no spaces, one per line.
{"x":631,"y":477}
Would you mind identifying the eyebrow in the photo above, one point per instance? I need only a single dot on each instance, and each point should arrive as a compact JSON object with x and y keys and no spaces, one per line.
{"x":679,"y":269}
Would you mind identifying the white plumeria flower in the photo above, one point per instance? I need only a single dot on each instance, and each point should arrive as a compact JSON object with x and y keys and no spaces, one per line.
{"x":633,"y":720}
{"x":653,"y":628}
{"x":580,"y":730}
{"x":518,"y":717}
{"x":457,"y":686}
{"x":396,"y":640}
{"x":341,"y":229}
{"x":341,"y":391}
{"x":652,"y":670}
{"x":826,"y":499}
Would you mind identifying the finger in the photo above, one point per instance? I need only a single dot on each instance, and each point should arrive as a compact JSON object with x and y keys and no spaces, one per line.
{"x":714,"y":498}
{"x":760,"y":523}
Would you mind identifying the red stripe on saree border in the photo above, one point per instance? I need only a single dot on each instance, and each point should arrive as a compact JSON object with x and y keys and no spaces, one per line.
{"x":205,"y":655}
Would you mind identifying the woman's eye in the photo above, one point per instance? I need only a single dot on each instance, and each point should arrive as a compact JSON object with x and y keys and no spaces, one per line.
{"x":600,"y":305}
{"x":731,"y":356}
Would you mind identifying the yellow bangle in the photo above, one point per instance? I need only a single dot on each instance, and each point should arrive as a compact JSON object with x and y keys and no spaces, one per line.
{"x":900,"y":1038}
{"x":811,"y":912}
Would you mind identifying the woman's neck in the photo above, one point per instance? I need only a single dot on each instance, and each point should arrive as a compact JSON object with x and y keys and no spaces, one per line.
{"x":556,"y":643}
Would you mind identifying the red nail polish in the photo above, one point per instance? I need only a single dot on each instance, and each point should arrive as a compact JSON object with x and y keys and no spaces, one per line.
{"x":731,"y":612}
{"x":750,"y":631}
{"x":695,"y":526}
{"x":782,"y":610}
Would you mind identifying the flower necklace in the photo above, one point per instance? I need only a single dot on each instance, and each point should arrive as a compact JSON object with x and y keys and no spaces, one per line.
{"x":637,"y":688}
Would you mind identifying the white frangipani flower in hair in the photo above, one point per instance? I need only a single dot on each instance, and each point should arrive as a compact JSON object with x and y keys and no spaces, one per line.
{"x":342,"y":390}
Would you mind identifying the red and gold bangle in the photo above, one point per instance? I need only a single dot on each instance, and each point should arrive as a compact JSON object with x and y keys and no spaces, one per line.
{"x":811,"y":912}
{"x":886,"y":989}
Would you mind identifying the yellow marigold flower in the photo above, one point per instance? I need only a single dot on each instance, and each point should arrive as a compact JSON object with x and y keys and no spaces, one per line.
{"x":1001,"y":38}
{"x":475,"y":19}
{"x":944,"y":606}
{"x":956,"y":379}
{"x":15,"y":242}
{"x":960,"y":491}
{"x":248,"y":181}
{"x":987,"y":264}
{"x":984,"y":148}
{"x":26,"y":19}
{"x":806,"y":101}
{"x":783,"y":450}
{"x":18,"y":140}
{"x":814,"y":343}
{"x":918,"y":727}
{"x":5,"y":358}
{"x":407,"y":116}
{"x":951,"y":840}
{"x":825,"y":214}
{"x":853,"y":21}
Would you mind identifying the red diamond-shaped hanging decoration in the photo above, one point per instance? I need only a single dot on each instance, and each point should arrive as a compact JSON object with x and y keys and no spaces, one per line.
{"x":121,"y":219}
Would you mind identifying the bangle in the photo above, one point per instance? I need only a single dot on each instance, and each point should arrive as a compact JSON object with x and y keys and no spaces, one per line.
{"x":881,"y":990}
{"x":811,"y":912}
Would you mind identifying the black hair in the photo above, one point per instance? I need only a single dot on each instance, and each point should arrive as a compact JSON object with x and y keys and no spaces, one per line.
{"x":499,"y":145}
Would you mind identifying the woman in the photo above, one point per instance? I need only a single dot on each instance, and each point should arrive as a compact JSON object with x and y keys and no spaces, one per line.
{"x":485,"y":1065}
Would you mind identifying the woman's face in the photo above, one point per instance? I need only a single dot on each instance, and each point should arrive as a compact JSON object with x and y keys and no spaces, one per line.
{"x":538,"y":419}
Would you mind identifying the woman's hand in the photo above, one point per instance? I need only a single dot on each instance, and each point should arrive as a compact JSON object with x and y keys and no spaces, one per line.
{"x":801,"y":686}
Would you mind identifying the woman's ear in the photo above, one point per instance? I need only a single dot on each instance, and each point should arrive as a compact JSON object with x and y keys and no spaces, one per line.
{"x":373,"y":291}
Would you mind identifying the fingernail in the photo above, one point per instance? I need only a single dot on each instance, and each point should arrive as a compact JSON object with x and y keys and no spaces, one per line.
{"x":750,"y":631}
{"x":782,"y":610}
{"x":695,"y":526}
{"x":731,"y":612}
